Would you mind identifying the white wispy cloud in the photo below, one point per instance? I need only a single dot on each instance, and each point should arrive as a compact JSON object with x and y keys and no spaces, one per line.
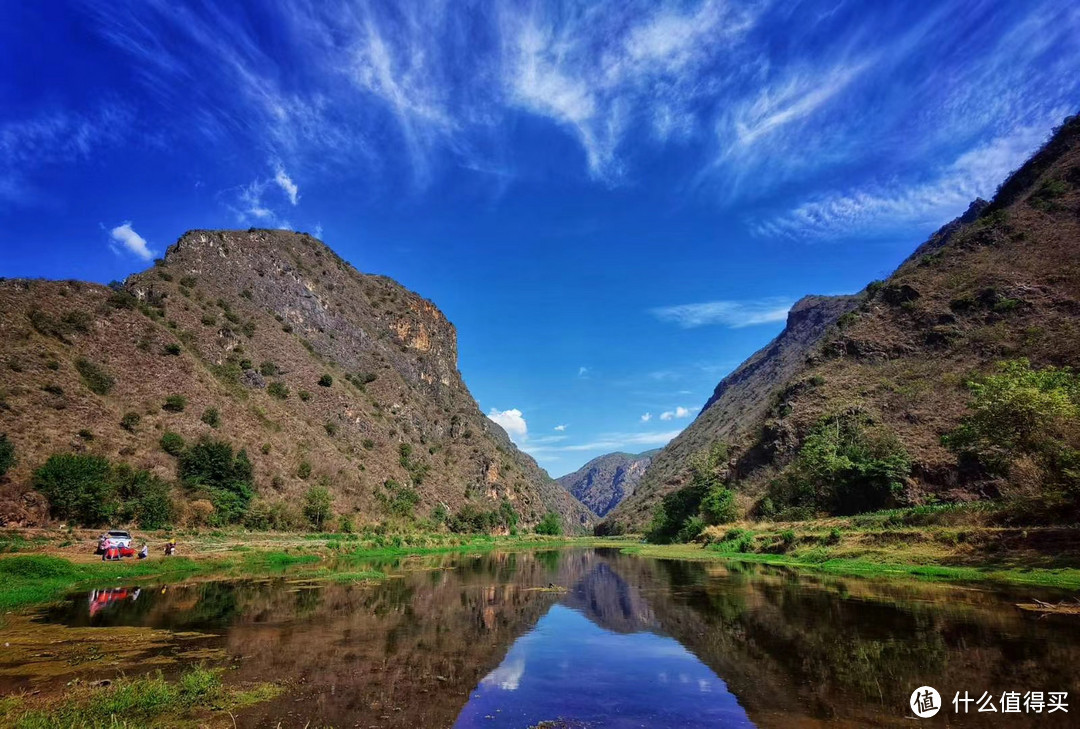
{"x":251,"y":206}
{"x":281,"y":177}
{"x":646,"y":417}
{"x":679,"y":412}
{"x":52,"y":138}
{"x":367,"y":89}
{"x":513,"y":422}
{"x":560,"y":428}
{"x":608,"y":442}
{"x":974,"y":173}
{"x":125,"y":237}
{"x":583,"y":371}
{"x":733,"y":314}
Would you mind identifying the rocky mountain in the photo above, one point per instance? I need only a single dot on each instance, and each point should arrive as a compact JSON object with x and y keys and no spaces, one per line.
{"x":606,"y":480}
{"x":1001,"y":282}
{"x":271,"y":342}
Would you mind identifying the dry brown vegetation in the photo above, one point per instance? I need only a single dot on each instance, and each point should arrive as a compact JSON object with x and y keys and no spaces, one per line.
{"x":275,"y":345}
{"x":1000,"y":283}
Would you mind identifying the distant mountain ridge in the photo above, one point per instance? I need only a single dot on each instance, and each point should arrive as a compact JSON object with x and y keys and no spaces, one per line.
{"x":1000,"y":282}
{"x":602,"y":483}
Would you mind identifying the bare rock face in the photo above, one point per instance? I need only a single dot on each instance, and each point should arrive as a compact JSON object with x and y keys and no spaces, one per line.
{"x":605,"y":481}
{"x":307,"y":360}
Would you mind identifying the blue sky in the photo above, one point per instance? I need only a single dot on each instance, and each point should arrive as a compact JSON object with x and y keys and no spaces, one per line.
{"x":615,"y":202}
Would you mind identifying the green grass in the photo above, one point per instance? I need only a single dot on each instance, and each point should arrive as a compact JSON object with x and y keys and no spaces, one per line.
{"x":134,"y":702}
{"x":818,"y":559}
{"x":34,"y":579}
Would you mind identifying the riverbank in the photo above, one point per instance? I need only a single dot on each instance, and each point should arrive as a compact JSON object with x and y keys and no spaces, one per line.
{"x":942,"y":545}
{"x":40,"y":566}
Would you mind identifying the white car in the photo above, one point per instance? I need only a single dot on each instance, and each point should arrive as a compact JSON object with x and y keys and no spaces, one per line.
{"x":114,"y":538}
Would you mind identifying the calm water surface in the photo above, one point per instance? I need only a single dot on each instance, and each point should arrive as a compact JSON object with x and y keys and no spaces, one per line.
{"x":619,"y":641}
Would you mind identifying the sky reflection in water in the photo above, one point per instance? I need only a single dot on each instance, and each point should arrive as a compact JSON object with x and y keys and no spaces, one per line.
{"x":567,"y":666}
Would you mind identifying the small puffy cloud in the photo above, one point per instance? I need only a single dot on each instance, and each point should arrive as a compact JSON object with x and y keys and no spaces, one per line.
{"x":679,"y":412}
{"x":512,"y":421}
{"x":583,"y":371}
{"x":646,"y":417}
{"x":124,"y":235}
{"x":560,"y":428}
{"x":281,"y":177}
{"x":733,"y":314}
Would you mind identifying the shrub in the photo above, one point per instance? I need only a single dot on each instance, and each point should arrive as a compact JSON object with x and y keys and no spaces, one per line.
{"x":175,"y":404}
{"x":304,"y":469}
{"x":172,"y":443}
{"x":718,"y":506}
{"x":211,"y":417}
{"x":367,"y":377}
{"x":1022,"y":413}
{"x":609,"y":528}
{"x":210,"y":466}
{"x":304,"y":395}
{"x":122,"y":299}
{"x":279,"y":515}
{"x":172,"y":349}
{"x":188,"y":282}
{"x":52,"y":389}
{"x":331,"y":428}
{"x":787,"y":538}
{"x":471,"y":519}
{"x":209,"y":320}
{"x":326,"y":381}
{"x":440,"y":514}
{"x":845,"y":466}
{"x":368,"y":443}
{"x":94,"y":377}
{"x":398,"y":499}
{"x":130,"y":422}
{"x":85,"y":434}
{"x":7,"y":454}
{"x":142,"y":497}
{"x":317,"y":506}
{"x":834,"y":535}
{"x":551,"y":524}
{"x":268,"y":369}
{"x":78,"y":488}
{"x":678,"y":508}
{"x":278,"y":389}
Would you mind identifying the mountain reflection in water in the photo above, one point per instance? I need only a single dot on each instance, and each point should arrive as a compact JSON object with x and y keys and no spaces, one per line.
{"x":480,"y":641}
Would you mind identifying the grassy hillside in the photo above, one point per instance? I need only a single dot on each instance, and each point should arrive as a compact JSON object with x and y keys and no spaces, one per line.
{"x":904,"y":399}
{"x":330,"y":381}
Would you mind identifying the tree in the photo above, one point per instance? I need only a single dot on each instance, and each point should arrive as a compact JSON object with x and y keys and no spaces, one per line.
{"x":1021,"y":412}
{"x":846,"y":465}
{"x":551,"y":525}
{"x":7,"y":454}
{"x":718,"y":506}
{"x":211,"y":466}
{"x":682,"y":515}
{"x":78,"y":488}
{"x":317,"y":506}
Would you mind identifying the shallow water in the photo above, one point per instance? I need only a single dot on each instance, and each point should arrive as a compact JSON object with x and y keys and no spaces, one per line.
{"x":594,"y":638}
